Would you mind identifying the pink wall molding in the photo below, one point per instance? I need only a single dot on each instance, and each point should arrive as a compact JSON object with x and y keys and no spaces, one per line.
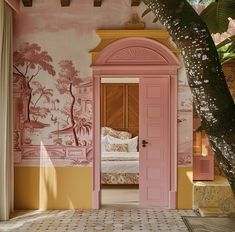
{"x":137,"y":57}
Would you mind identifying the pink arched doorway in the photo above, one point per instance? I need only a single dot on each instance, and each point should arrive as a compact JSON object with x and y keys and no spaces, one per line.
{"x":156,"y":66}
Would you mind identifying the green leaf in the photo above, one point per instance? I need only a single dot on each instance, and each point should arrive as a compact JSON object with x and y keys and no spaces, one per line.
{"x":223,"y":49}
{"x":216,"y":15}
{"x":227,"y":57}
{"x":229,"y":40}
{"x":226,"y":49}
{"x":146,"y":12}
{"x":232,"y":47}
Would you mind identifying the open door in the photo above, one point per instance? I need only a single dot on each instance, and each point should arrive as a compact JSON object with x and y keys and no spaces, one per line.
{"x":140,"y":54}
{"x":154,"y":143}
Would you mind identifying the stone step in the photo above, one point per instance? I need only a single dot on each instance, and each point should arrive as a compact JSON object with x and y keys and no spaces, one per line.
{"x":211,"y":212}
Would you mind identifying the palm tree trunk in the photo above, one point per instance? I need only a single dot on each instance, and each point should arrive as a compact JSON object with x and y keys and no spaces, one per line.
{"x":211,"y":96}
{"x":29,"y":101}
{"x":71,"y":113}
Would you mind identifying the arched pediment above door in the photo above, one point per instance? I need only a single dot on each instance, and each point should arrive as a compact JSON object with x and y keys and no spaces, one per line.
{"x":134,"y":47}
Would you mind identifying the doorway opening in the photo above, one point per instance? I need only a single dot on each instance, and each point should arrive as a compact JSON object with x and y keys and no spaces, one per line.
{"x":156,"y":67}
{"x":119,"y":141}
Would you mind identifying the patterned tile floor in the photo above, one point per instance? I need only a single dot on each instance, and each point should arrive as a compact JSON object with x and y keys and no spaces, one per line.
{"x":106,"y":219}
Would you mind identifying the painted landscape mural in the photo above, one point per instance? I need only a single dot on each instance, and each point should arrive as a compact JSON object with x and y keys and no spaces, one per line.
{"x":53,"y":110}
{"x":53,"y":81}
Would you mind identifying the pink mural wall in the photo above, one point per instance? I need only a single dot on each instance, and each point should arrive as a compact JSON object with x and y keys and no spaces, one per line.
{"x":52,"y":110}
{"x":185,"y":125}
{"x":53,"y":81}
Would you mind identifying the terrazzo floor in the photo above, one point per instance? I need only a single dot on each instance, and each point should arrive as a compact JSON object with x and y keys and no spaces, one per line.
{"x":105,"y":219}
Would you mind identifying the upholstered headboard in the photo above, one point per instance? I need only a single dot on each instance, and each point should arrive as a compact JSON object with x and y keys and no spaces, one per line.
{"x":120,"y":106}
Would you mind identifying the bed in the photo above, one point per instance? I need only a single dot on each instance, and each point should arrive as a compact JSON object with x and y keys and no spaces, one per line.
{"x":120,"y":168}
{"x":119,"y":157}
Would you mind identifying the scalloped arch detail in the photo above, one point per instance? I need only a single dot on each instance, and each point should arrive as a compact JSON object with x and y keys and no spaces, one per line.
{"x":136,"y":55}
{"x":134,"y":51}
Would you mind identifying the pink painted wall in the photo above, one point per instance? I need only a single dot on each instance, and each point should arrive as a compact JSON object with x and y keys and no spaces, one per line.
{"x":53,"y":121}
{"x":185,"y":125}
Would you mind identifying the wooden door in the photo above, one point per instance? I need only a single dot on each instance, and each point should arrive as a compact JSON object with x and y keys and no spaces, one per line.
{"x":120,"y":106}
{"x":154,"y":128}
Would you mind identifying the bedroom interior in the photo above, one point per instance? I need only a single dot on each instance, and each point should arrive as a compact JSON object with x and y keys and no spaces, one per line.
{"x":119,"y":141}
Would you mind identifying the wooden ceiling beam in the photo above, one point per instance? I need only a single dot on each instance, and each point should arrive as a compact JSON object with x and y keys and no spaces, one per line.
{"x":65,"y":2}
{"x":27,"y":3}
{"x":135,"y":2}
{"x":97,"y":3}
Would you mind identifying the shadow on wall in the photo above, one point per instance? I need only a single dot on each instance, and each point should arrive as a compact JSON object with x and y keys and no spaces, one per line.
{"x":47,"y":180}
{"x":49,"y":187}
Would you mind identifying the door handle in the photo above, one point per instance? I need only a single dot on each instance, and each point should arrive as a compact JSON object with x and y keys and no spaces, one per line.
{"x":144,"y":143}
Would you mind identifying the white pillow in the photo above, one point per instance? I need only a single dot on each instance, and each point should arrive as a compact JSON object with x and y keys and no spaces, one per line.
{"x":132,"y":143}
{"x":104,"y":141}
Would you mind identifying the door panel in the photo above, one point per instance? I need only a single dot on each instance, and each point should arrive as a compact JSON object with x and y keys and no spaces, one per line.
{"x":155,"y":155}
{"x":113,"y":101}
{"x":120,"y":106}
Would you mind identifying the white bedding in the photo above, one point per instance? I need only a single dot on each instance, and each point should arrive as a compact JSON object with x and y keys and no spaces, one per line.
{"x":120,"y":162}
{"x":121,"y":155}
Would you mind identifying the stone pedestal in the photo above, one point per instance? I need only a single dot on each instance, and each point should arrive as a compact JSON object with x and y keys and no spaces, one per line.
{"x":214,"y":194}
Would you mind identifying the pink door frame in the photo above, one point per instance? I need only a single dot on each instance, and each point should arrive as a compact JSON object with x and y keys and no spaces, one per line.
{"x":135,"y":57}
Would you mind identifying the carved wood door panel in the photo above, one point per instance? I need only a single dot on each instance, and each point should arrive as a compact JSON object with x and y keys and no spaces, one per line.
{"x":120,"y":106}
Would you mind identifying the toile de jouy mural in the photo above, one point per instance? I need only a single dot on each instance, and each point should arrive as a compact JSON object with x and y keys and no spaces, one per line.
{"x":53,"y":81}
{"x":52,"y":110}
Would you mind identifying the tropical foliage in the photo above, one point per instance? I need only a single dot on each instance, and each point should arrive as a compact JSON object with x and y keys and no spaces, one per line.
{"x":225,"y":43}
{"x":226,"y":50}
{"x":216,"y":15}
{"x":83,"y":126}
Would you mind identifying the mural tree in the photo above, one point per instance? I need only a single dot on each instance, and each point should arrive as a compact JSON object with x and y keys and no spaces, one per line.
{"x":66,"y":112}
{"x":40,"y":92}
{"x":83,"y":126}
{"x":211,"y":96}
{"x":29,"y":61}
{"x":68,"y":79}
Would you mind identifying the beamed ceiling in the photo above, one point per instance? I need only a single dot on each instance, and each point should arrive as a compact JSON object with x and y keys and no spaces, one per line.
{"x":96,"y":3}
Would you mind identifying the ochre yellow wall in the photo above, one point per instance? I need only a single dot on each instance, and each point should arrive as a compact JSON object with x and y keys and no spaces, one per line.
{"x":71,"y":188}
{"x":185,"y":188}
{"x":53,"y":188}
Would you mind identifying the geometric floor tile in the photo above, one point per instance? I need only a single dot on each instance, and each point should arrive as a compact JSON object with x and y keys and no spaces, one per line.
{"x":106,"y":219}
